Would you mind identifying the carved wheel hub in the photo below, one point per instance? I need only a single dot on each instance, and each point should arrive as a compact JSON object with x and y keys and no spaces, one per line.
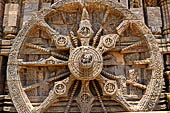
{"x":85,"y":63}
{"x":84,"y":57}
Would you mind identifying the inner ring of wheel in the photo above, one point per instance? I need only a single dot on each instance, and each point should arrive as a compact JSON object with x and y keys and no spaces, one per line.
{"x":85,"y":63}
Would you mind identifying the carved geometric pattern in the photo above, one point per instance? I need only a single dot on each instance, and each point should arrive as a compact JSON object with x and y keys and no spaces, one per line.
{"x":66,"y":60}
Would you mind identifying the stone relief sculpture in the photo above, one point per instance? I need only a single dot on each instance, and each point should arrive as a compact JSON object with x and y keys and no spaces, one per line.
{"x":84,"y":57}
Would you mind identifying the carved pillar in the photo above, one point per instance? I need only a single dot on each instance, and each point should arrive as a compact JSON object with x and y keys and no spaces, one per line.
{"x":155,"y":21}
{"x":165,"y":7}
{"x":11,"y":18}
{"x":2,"y":3}
{"x":1,"y":78}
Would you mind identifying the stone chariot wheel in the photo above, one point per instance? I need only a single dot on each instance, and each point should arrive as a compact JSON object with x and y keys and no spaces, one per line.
{"x":86,"y":56}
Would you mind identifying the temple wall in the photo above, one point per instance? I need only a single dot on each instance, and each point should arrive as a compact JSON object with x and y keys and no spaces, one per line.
{"x":14,"y":14}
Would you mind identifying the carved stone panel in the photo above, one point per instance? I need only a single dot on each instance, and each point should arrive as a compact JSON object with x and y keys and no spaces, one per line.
{"x":84,"y":57}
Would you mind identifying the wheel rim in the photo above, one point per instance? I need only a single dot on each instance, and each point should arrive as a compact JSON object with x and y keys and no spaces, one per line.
{"x":106,"y":80}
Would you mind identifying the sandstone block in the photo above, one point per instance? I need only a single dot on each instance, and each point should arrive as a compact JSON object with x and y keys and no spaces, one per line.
{"x":154,"y":16}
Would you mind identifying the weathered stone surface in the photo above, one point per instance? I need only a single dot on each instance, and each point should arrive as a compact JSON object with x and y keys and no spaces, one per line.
{"x":124,"y":2}
{"x":53,"y":54}
{"x":46,"y":5}
{"x":104,"y":37}
{"x":154,"y":16}
{"x":5,"y":20}
{"x":151,"y":3}
{"x":136,"y":3}
{"x":11,"y":15}
{"x":28,"y":9}
{"x":2,"y":6}
{"x":139,"y":12}
{"x":165,"y":13}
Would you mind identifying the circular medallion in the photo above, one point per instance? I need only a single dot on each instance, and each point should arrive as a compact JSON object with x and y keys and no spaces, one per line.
{"x":110,"y":87}
{"x":85,"y":63}
{"x":60,"y":88}
{"x":62,"y":41}
{"x":85,"y":98}
{"x":108,"y":41}
{"x":85,"y":32}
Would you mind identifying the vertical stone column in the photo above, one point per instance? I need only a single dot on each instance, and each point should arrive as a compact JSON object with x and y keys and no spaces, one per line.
{"x":29,"y":7}
{"x":124,"y":2}
{"x":165,"y":7}
{"x":165,"y":10}
{"x":1,"y":77}
{"x":45,"y":4}
{"x":2,"y":5}
{"x":155,"y":21}
{"x":11,"y":19}
{"x":136,"y":7}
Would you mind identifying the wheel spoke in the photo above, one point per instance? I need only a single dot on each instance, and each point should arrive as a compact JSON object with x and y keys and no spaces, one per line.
{"x":52,"y":97}
{"x":119,"y":97}
{"x":33,"y":86}
{"x":45,"y":50}
{"x":97,"y":36}
{"x":37,"y":47}
{"x":142,"y":62}
{"x":107,"y":57}
{"x":110,"y":88}
{"x":118,"y":78}
{"x":99,"y":97}
{"x":110,"y":63}
{"x":71,"y":97}
{"x":135,"y":84}
{"x":61,"y":41}
{"x":59,"y":90}
{"x":111,"y":76}
{"x":105,"y":16}
{"x":135,"y":48}
{"x":58,"y":77}
{"x":51,"y":61}
{"x":85,"y":98}
{"x":74,"y":38}
{"x":85,"y":32}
